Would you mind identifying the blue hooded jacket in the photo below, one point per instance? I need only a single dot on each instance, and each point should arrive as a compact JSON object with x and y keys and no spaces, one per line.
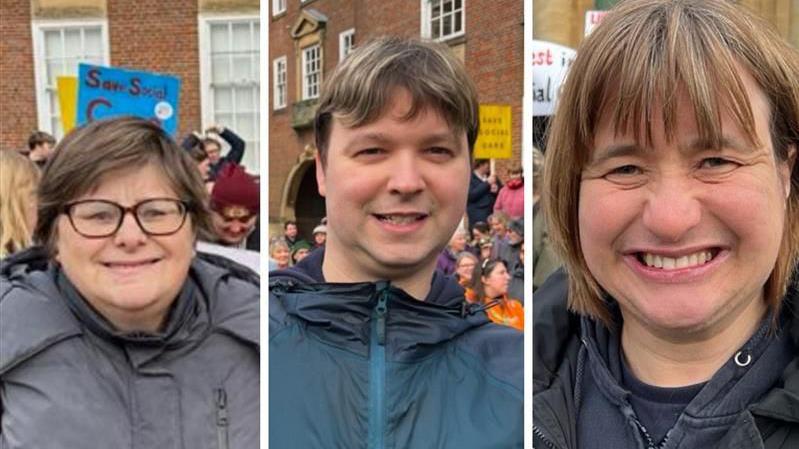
{"x":365,"y":365}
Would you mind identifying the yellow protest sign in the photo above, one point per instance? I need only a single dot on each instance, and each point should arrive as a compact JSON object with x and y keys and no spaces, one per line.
{"x":67,"y":100}
{"x":494,"y":139}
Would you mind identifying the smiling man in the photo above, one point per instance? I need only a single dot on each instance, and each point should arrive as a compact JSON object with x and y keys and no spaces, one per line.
{"x":365,"y":326}
{"x":679,"y":232}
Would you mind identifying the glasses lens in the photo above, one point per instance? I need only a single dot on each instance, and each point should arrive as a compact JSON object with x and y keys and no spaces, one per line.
{"x":95,"y":218}
{"x":161,"y":216}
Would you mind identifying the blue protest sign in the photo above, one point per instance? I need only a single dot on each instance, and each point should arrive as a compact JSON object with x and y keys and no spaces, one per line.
{"x":105,"y":92}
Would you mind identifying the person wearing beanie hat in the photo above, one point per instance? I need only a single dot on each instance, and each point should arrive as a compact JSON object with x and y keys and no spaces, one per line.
{"x":235,"y":201}
{"x":319,"y":235}
{"x":299,"y":251}
{"x":508,"y":249}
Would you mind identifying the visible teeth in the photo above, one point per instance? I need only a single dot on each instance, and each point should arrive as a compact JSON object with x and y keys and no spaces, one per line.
{"x":670,"y":263}
{"x":399,"y":219}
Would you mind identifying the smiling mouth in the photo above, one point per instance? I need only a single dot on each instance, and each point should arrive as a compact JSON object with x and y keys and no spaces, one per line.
{"x":130,"y":265}
{"x":696,"y":259}
{"x":400,"y":219}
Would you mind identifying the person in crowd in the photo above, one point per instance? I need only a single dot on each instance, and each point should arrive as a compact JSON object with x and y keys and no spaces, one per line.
{"x":672,"y":193}
{"x":235,"y":203}
{"x":394,"y":128}
{"x":508,"y":250}
{"x":510,"y":199}
{"x":290,"y":232}
{"x":299,"y":251}
{"x":483,"y":190}
{"x":319,"y":236}
{"x":464,"y":266}
{"x":486,"y":247}
{"x":19,"y":178}
{"x":212,"y":145}
{"x":279,"y":253}
{"x":203,"y":163}
{"x":113,"y":333}
{"x":489,"y":287}
{"x":516,"y":288}
{"x":40,"y":147}
{"x":545,"y":260}
{"x":480,"y":230}
{"x":498,"y":226}
{"x":446,"y":260}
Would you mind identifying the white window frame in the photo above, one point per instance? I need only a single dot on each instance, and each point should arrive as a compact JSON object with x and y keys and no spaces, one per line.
{"x":38,"y":28}
{"x":278,"y":7}
{"x":427,"y":11}
{"x":343,"y":48}
{"x":306,"y":94}
{"x":276,"y":87}
{"x":206,"y":97}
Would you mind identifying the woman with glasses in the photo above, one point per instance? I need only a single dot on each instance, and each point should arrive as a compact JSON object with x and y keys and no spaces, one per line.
{"x":489,"y":287}
{"x":114,"y":333}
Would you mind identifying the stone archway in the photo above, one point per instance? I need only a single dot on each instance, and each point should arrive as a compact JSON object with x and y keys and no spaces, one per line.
{"x":301,"y":201}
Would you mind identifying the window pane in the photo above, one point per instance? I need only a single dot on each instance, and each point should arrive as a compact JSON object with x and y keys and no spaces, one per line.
{"x":245,"y":100}
{"x":219,"y":38}
{"x":457,"y":4}
{"x":54,"y":69}
{"x":223,"y":99}
{"x":93,"y":43}
{"x":242,"y":70}
{"x":246,"y":126}
{"x":72,"y":43}
{"x":436,"y":29}
{"x":447,"y":7}
{"x":436,"y":9}
{"x":220,"y":72}
{"x":447,"y":26}
{"x":52,"y":44}
{"x":241,"y":37}
{"x":457,"y":21}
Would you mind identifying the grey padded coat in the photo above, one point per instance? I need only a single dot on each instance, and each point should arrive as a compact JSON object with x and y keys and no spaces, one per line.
{"x":67,"y":380}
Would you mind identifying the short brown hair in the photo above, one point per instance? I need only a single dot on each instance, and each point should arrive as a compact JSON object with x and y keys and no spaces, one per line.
{"x":648,"y":49}
{"x":89,"y":152}
{"x":38,"y":138}
{"x":362,"y":86}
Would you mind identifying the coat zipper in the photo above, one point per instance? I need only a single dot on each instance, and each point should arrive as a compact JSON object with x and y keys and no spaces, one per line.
{"x":221,"y":418}
{"x":377,"y":370}
{"x":537,"y":432}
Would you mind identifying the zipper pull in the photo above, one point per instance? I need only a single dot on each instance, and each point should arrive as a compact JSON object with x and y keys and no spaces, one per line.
{"x":380,"y":312}
{"x":221,"y":408}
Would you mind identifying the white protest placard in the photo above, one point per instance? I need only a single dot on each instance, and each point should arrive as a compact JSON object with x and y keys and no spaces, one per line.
{"x":592,"y":19}
{"x":550,"y":64}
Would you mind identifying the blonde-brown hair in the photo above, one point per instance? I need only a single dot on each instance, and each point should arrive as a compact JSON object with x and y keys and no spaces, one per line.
{"x":91,"y":151}
{"x":19,"y":178}
{"x":646,"y":50}
{"x":363,"y":84}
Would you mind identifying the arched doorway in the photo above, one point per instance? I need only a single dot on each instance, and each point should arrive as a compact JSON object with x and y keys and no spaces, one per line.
{"x":309,"y":206}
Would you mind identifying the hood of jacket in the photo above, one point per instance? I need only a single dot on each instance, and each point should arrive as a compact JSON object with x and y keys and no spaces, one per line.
{"x":42,"y":315}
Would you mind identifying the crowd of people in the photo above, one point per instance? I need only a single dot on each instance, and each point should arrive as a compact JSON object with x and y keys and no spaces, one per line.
{"x":234,"y":197}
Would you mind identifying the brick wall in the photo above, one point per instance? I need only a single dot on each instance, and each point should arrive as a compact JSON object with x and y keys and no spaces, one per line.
{"x":17,"y":87}
{"x":161,"y":37}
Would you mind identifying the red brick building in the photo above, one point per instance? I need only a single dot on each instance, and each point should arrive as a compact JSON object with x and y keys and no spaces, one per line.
{"x":212,"y":45}
{"x":307,"y":38}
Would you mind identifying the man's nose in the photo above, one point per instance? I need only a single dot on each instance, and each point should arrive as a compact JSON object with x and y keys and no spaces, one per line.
{"x":406,"y":174}
{"x":672,"y":209}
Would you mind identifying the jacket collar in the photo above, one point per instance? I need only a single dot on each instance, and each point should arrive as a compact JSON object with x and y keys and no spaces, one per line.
{"x":342,"y":314}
